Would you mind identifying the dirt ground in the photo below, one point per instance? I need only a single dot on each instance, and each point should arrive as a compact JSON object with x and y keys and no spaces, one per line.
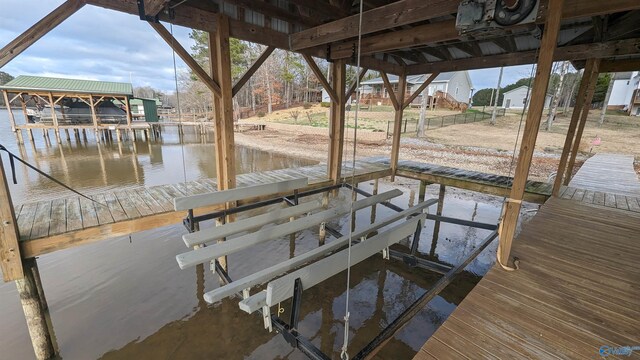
{"x":478,"y":146}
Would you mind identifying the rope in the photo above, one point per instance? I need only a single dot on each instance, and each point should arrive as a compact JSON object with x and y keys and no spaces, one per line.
{"x":13,"y":157}
{"x":344,"y":355}
{"x":516,"y":261}
{"x":175,"y":78}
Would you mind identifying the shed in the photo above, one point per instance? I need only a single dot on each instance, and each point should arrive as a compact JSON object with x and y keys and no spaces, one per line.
{"x":145,"y":107}
{"x":515,"y":98}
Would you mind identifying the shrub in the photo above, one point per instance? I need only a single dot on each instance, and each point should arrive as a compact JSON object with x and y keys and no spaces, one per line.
{"x":261,"y":114}
{"x":325,"y":104}
{"x":306,"y":106}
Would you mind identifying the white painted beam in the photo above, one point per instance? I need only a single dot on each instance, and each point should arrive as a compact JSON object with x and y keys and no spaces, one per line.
{"x":281,"y":289}
{"x":278,"y":269}
{"x":221,"y":197}
{"x":214,"y":251}
{"x":219,"y":232}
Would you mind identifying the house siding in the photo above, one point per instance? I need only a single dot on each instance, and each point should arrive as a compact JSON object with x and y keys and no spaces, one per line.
{"x":459,"y":87}
{"x":515,"y":98}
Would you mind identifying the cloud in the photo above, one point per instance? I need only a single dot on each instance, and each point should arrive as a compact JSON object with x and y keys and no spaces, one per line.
{"x":94,"y":43}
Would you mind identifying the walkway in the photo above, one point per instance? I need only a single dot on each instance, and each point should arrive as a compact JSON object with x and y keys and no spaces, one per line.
{"x":576,"y":290}
{"x":51,"y":225}
{"x":612,"y":172}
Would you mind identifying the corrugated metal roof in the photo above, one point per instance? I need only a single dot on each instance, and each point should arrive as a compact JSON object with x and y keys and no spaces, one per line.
{"x":41,"y":83}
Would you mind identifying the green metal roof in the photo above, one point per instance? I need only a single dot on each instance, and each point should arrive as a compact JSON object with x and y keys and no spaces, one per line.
{"x":41,"y":83}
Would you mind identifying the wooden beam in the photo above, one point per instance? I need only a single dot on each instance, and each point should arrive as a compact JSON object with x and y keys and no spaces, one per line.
{"x":12,"y":119}
{"x":416,"y":36}
{"x":224,"y":124}
{"x":583,"y":120}
{"x":10,"y":259}
{"x":532,"y":125}
{"x":252,"y":69}
{"x":320,"y":76}
{"x":352,"y":88}
{"x":382,"y":18}
{"x":274,"y":11}
{"x":397,"y":125}
{"x":420,"y":89}
{"x":153,"y":7}
{"x":186,"y":57}
{"x":392,"y":95}
{"x":608,"y":66}
{"x":42,"y":27}
{"x":336,"y":121}
{"x":575,"y":118}
{"x":564,"y":53}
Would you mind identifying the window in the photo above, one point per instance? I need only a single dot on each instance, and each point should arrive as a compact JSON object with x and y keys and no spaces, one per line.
{"x":456,"y":90}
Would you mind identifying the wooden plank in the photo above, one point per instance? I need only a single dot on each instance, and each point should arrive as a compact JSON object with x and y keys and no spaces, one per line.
{"x":117,"y":212}
{"x":621,"y":202}
{"x":102,"y":210}
{"x":380,"y":18}
{"x":162,"y":198}
{"x":282,"y":288}
{"x":220,"y":197}
{"x":199,"y":256}
{"x":151,"y":201}
{"x":41,"y":220}
{"x":141,"y":205}
{"x":610,"y":200}
{"x":89,"y":216}
{"x":219,"y":232}
{"x":634,"y":204}
{"x":58,"y":224}
{"x":25,"y":220}
{"x":74,"y":213}
{"x":127,"y":204}
{"x":282,"y":267}
{"x":38,"y":30}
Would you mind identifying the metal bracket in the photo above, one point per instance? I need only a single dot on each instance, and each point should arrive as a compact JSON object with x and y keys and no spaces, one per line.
{"x":143,"y":15}
{"x":328,"y":53}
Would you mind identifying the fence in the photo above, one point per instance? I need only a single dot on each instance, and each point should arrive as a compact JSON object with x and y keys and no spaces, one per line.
{"x":442,"y":121}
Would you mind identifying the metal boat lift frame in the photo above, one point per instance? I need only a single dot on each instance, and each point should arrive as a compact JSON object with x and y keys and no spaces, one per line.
{"x":289,"y":330}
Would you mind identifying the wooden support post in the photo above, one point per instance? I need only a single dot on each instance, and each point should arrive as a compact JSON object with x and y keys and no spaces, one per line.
{"x":66,"y":131}
{"x":34,"y":307}
{"x":225,"y":143}
{"x":252,"y":69}
{"x":10,"y":260}
{"x":336,"y":120}
{"x":373,"y":207}
{"x":12,"y":119}
{"x":54,"y":116}
{"x":94,"y":116}
{"x":30,"y":132}
{"x":127,"y":108}
{"x":583,"y":121}
{"x":532,"y":125}
{"x":436,"y":225}
{"x":422,"y":191}
{"x":575,"y":118}
{"x":397,"y":124}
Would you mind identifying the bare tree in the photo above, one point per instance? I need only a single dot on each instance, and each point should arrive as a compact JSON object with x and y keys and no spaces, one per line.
{"x":556,"y":96}
{"x":295,"y":114}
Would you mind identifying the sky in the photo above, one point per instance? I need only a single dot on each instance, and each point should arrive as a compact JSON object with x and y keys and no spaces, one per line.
{"x":100,"y":44}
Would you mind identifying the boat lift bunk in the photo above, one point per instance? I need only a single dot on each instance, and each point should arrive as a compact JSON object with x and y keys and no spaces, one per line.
{"x":289,"y":278}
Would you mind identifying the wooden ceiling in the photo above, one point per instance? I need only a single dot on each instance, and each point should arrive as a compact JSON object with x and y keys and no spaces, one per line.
{"x":412,"y":36}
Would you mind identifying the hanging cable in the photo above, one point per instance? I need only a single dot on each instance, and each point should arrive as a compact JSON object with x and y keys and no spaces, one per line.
{"x":516,"y":262}
{"x":175,"y":78}
{"x":344,"y":355}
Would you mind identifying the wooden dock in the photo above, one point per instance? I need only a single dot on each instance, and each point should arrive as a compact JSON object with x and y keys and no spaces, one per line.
{"x":613,"y":172}
{"x":52,"y":225}
{"x":576,"y":291}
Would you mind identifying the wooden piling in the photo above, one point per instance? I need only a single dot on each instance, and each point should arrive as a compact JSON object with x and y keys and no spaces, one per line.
{"x":436,"y":226}
{"x":422,"y":191}
{"x":34,"y":307}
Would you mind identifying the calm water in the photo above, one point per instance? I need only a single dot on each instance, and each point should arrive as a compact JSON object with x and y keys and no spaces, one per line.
{"x":126,"y":297}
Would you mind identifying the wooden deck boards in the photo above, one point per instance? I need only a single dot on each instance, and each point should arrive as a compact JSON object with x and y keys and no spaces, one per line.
{"x":576,"y":290}
{"x":45,"y":225}
{"x":613,"y":172}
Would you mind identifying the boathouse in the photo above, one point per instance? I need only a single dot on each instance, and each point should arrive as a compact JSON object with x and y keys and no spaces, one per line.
{"x":565,"y":286}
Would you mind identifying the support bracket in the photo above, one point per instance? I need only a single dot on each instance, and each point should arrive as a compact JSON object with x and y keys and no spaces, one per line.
{"x":143,"y":15}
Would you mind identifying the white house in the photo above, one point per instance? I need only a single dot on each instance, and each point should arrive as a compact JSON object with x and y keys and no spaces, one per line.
{"x":457,"y":84}
{"x":515,"y":98}
{"x":624,"y":94}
